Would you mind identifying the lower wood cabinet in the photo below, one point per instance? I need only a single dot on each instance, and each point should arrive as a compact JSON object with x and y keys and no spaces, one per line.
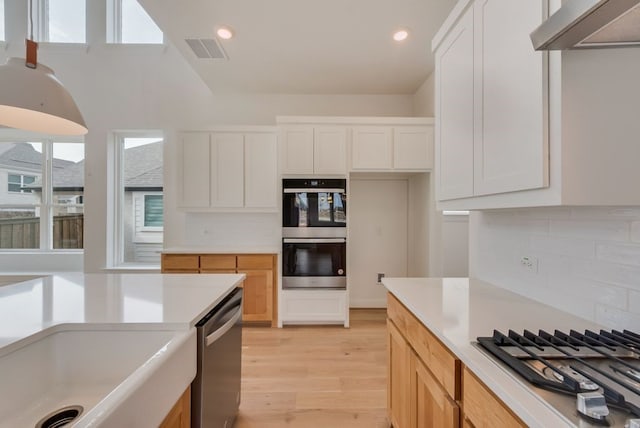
{"x":260,"y":291}
{"x":426,"y":385}
{"x":482,"y":409}
{"x":431,"y":406}
{"x":421,"y":374}
{"x":180,"y":415}
{"x":399,"y":377}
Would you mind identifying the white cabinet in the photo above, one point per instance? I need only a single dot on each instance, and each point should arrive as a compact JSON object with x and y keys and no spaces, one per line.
{"x":372,"y":148}
{"x":314,"y":150}
{"x":392,"y":148}
{"x":454,"y":118}
{"x":260,"y":170}
{"x":229,"y":171}
{"x":226,"y":171}
{"x":314,"y":307}
{"x":491,"y":131}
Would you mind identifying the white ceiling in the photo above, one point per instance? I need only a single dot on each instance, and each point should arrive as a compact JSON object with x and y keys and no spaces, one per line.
{"x":308,"y":47}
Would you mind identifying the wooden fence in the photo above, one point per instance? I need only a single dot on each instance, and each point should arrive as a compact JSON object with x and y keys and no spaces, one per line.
{"x":25,"y":232}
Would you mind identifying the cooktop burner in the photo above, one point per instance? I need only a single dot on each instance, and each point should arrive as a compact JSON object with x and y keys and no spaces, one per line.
{"x":593,"y":379}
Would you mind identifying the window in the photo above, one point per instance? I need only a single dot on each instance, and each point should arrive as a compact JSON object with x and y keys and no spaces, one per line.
{"x":17,"y":183}
{"x":153,"y":211}
{"x":61,"y":21}
{"x":41,"y":203}
{"x":128,"y":22}
{"x":2,"y":36}
{"x":139,"y":205}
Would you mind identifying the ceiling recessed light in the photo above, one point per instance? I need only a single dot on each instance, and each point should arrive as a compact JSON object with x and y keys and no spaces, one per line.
{"x":400,"y":35}
{"x":224,"y":33}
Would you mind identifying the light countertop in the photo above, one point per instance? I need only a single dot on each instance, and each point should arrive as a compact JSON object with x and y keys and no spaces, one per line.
{"x":458,"y":310}
{"x":222,"y":250}
{"x":167,"y":302}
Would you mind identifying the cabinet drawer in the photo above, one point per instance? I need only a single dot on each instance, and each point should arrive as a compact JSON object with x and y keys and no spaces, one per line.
{"x":180,"y":262}
{"x":210,"y":262}
{"x":255,"y":261}
{"x":482,"y":408}
{"x":442,"y":363}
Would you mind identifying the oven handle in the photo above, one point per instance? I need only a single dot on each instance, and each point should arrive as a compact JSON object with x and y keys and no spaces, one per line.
{"x":217,"y":334}
{"x":314,"y":190}
{"x":314,"y":240}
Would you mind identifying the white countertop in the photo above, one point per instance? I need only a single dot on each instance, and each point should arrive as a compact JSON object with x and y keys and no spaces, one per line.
{"x":458,"y":310}
{"x":168,"y":302}
{"x":222,"y":250}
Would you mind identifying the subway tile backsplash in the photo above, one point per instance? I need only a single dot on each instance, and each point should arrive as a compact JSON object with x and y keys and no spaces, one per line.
{"x":587,"y":258}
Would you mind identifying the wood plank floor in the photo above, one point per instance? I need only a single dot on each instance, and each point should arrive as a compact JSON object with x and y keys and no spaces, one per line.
{"x":316,"y":376}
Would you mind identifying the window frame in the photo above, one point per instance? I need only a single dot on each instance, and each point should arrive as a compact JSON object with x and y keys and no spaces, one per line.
{"x":117,"y":252}
{"x":114,"y":26}
{"x":41,"y":24}
{"x":47,"y":206}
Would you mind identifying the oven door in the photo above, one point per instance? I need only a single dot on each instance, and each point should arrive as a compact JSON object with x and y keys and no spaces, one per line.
{"x":314,"y":208}
{"x":318,"y":263}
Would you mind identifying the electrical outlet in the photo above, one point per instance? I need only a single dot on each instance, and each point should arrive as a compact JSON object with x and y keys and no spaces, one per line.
{"x":530,"y":263}
{"x":380,"y":276}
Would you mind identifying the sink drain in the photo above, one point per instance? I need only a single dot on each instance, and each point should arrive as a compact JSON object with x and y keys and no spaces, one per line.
{"x":60,"y":417}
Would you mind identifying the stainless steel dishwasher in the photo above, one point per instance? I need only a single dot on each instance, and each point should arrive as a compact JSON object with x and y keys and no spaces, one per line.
{"x":215,"y":392}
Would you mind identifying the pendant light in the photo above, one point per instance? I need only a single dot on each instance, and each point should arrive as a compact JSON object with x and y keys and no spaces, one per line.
{"x":33,"y":99}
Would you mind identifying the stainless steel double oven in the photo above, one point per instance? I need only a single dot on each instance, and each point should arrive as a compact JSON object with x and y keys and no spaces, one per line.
{"x":314,"y":243}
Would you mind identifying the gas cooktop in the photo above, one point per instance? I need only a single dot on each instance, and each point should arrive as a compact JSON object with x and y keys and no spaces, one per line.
{"x":593,"y":379}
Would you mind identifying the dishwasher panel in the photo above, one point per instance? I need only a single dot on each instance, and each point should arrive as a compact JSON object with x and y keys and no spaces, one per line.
{"x":215,"y":392}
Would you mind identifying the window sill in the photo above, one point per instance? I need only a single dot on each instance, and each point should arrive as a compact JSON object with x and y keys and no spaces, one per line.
{"x":133,"y":268}
{"x":63,"y":47}
{"x":35,"y":251}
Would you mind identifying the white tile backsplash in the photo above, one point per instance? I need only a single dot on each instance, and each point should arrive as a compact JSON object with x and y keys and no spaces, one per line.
{"x":588,"y":258}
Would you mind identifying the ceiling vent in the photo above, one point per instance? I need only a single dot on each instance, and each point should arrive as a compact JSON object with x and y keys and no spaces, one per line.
{"x":206,"y":48}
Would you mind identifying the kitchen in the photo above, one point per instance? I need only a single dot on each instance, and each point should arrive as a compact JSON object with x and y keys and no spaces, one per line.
{"x":595,"y":242}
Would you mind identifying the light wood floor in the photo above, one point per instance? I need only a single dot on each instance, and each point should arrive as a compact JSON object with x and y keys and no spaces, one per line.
{"x":316,"y":377}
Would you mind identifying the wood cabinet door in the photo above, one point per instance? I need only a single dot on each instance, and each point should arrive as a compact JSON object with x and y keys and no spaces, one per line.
{"x":227,"y":170}
{"x":261,"y":170}
{"x":330,"y":150}
{"x":297,"y":150}
{"x":372,"y":148}
{"x":180,"y":263}
{"x":511,"y":138}
{"x":482,"y":408}
{"x":455,"y":111}
{"x":257,"y":302}
{"x":217,"y":263}
{"x":399,"y":375}
{"x":431,"y":406}
{"x":180,"y":415}
{"x":194,"y":170}
{"x":413,"y":148}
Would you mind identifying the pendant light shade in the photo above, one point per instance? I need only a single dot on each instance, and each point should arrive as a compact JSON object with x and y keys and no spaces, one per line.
{"x":33,"y":99}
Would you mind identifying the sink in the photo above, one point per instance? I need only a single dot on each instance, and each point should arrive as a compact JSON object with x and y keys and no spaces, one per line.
{"x":118,"y":377}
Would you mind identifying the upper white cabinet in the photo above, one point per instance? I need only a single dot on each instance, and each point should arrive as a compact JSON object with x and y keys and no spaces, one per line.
{"x":372,"y":148}
{"x":339,"y":145}
{"x":407,"y":148}
{"x":490,"y":128}
{"x":519,"y":128}
{"x":229,"y":171}
{"x":309,"y":150}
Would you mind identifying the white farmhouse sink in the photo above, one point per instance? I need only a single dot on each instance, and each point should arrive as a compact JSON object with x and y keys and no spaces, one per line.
{"x":124,"y":378}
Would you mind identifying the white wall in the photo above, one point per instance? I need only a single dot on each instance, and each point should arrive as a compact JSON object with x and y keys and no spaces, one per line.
{"x":424,"y":98}
{"x":153,"y":87}
{"x":588,"y":258}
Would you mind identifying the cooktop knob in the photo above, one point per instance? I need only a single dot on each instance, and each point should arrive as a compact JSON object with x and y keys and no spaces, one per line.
{"x":592,"y":405}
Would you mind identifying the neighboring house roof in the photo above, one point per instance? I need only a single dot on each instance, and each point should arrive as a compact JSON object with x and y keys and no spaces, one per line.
{"x":142,"y":170}
{"x":23,"y":157}
{"x":143,"y":166}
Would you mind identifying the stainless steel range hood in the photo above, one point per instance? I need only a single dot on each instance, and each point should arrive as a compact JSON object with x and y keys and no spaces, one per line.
{"x":584,"y":24}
